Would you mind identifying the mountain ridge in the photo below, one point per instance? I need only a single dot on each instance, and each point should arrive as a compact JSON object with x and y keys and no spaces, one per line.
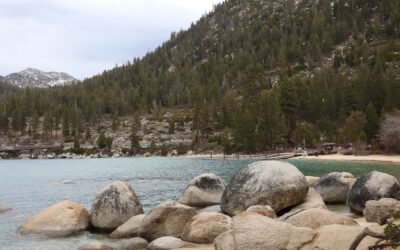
{"x":31,"y":77}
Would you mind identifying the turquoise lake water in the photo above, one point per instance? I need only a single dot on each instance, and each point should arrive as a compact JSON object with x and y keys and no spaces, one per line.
{"x":32,"y":185}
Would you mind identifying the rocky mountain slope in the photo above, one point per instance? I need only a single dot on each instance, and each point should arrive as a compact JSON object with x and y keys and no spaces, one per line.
{"x":255,"y":76}
{"x":31,"y":77}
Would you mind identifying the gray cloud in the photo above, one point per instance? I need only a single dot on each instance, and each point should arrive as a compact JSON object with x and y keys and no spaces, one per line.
{"x":84,"y":37}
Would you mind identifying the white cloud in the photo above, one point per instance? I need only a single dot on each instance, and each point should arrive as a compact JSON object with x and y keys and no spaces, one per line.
{"x":84,"y":37}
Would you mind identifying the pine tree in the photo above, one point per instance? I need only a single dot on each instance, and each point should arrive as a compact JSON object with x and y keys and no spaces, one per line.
{"x":372,"y":122}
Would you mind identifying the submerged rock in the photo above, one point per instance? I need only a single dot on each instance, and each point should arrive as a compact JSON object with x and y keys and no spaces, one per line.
{"x":4,"y":208}
{"x":113,"y":206}
{"x":67,"y":182}
{"x":372,"y":186}
{"x":334,"y":187}
{"x":60,"y":220}
{"x":205,"y":227}
{"x":204,"y":190}
{"x":375,"y":211}
{"x":167,"y":219}
{"x":277,"y":184}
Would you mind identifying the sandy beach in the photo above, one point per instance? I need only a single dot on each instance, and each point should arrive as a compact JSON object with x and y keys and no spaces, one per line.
{"x":339,"y":157}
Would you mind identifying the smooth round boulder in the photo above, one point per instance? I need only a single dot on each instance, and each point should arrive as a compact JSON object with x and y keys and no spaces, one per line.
{"x":204,"y":190}
{"x":205,"y":227}
{"x":134,"y":244}
{"x":263,"y":210}
{"x":372,"y":186}
{"x":277,"y":184}
{"x":316,"y":217}
{"x":128,"y":229}
{"x":114,"y":206}
{"x":167,"y":219}
{"x":334,"y":187}
{"x":166,"y":243}
{"x":60,"y":220}
{"x":378,"y":211}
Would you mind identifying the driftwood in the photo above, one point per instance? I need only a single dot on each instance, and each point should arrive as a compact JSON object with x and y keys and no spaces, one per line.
{"x":367,"y":232}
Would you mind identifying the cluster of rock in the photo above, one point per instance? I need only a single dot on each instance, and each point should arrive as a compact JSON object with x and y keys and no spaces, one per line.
{"x":266,"y":205}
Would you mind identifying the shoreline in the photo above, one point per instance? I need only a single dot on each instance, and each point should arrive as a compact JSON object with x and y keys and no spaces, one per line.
{"x":360,"y":158}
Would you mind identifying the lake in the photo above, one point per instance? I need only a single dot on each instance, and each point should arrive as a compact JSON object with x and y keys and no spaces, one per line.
{"x":32,"y":185}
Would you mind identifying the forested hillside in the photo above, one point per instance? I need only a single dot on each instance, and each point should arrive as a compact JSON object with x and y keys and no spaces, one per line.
{"x":255,"y":75}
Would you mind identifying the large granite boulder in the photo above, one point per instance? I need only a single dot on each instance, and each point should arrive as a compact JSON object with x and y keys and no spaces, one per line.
{"x":316,"y":217}
{"x":334,"y":237}
{"x":113,"y":206}
{"x":204,"y":190}
{"x":258,"y":232}
{"x":372,"y":186}
{"x":167,"y":219}
{"x":334,"y":187}
{"x":376,"y":211}
{"x":60,"y":220}
{"x":205,"y":227}
{"x":128,"y":229}
{"x":277,"y":184}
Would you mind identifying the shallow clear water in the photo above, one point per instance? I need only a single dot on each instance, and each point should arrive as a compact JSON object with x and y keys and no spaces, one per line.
{"x":31,"y":185}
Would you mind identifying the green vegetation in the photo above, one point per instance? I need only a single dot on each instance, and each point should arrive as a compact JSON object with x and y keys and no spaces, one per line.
{"x":266,"y":73}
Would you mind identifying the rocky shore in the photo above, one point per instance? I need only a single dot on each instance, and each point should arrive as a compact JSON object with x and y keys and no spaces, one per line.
{"x":266,"y":205}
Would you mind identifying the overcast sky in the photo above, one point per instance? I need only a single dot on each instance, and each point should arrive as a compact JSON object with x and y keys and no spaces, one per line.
{"x":85,"y":37}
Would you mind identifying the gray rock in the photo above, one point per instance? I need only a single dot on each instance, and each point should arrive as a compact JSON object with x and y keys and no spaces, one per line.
{"x":372,"y":186}
{"x":204,"y":190}
{"x":128,"y":229}
{"x":375,"y":211}
{"x":167,"y":219}
{"x":113,"y":206}
{"x":277,"y":184}
{"x":134,"y":244}
{"x":166,"y":243}
{"x":334,"y":187}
